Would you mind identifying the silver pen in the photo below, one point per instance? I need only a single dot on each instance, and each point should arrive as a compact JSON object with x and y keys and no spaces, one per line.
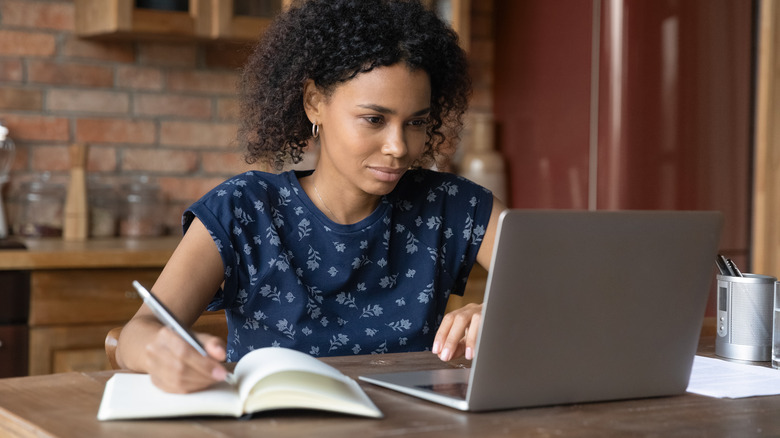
{"x":166,"y":317}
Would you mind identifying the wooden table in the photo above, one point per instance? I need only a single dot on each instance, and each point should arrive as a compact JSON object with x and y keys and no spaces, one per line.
{"x":65,"y":405}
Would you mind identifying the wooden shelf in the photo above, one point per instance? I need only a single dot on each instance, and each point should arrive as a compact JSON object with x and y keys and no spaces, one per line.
{"x":207,"y":20}
{"x":225,"y":24}
{"x":121,"y":19}
{"x":210,"y":20}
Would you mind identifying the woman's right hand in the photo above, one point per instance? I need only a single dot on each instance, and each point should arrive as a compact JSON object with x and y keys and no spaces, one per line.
{"x":175,"y":366}
{"x":186,"y":285}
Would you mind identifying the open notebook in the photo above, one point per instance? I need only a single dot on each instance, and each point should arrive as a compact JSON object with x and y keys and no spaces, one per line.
{"x":583,"y":306}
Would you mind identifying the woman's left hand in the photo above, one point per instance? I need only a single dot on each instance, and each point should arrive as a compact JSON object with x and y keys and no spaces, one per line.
{"x":457,"y":334}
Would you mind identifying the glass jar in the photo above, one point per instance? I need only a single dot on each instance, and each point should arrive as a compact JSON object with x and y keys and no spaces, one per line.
{"x":7,"y":150}
{"x":142,"y":209}
{"x":103,"y":209}
{"x":40,"y":207}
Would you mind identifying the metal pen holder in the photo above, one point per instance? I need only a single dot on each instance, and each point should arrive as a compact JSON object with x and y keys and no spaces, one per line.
{"x":744,"y":317}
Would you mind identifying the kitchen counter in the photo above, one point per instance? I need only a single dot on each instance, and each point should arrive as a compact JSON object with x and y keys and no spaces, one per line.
{"x":55,"y":253}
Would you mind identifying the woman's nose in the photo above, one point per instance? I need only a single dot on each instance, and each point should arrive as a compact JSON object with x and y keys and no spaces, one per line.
{"x":395,"y":143}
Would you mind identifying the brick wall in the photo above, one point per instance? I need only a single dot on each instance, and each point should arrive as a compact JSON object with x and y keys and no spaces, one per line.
{"x":166,"y":110}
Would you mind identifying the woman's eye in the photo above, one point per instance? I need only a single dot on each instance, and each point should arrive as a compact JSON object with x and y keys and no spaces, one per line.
{"x":374,"y":120}
{"x":419,"y":122}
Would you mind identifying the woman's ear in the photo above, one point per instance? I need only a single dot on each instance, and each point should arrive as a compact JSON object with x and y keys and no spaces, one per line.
{"x":312,"y":97}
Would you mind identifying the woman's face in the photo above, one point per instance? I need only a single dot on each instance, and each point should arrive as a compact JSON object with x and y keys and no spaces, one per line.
{"x":373,"y":127}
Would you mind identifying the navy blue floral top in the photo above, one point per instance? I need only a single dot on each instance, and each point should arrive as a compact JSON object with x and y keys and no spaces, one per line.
{"x":296,"y":279}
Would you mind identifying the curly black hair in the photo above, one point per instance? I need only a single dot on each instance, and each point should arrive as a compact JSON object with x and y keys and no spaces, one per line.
{"x":332,"y":41}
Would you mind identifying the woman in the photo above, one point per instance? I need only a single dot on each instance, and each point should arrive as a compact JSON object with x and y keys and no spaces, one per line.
{"x":359,"y":255}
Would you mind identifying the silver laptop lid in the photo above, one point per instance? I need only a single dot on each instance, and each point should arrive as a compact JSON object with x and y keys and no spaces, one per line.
{"x":586,"y":306}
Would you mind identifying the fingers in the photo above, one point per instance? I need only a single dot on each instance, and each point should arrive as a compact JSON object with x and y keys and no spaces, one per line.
{"x":457,"y":333}
{"x":471,"y":335}
{"x":453,"y":338}
{"x":175,"y":366}
{"x":214,"y":346}
{"x":441,"y":336}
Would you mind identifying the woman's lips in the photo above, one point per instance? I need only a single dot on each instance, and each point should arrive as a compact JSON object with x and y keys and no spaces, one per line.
{"x":387,"y":174}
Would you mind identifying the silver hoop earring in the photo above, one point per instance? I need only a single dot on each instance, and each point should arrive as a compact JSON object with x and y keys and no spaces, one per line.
{"x":315,"y":130}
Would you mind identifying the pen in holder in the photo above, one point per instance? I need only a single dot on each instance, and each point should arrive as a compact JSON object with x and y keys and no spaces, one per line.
{"x":744,"y":316}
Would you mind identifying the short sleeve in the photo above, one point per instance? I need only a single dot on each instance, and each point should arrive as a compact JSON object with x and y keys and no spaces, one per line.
{"x":450,"y":215}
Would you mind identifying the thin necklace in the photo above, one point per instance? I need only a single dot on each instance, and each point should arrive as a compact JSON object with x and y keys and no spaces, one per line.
{"x":317,"y":192}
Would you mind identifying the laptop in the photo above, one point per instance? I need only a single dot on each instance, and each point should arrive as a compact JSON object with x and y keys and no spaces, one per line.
{"x":582,"y":306}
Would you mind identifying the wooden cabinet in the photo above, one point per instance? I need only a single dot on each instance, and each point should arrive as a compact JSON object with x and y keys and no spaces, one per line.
{"x":72,"y":310}
{"x":14,"y":305}
{"x":13,"y":350}
{"x":235,"y":20}
{"x":75,"y":296}
{"x":64,"y":348}
{"x":78,"y":291}
{"x":121,"y":19}
{"x":213,"y":20}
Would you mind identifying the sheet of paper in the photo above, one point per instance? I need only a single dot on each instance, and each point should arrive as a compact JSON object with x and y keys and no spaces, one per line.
{"x":723,"y":379}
